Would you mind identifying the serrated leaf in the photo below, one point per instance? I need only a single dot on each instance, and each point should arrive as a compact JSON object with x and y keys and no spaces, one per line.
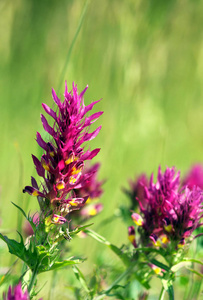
{"x":19,"y":250}
{"x":13,"y":246}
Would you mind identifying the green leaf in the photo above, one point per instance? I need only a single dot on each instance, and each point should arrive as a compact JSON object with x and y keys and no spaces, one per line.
{"x":180,"y":265}
{"x":159,"y":264}
{"x":193,"y":260}
{"x":159,"y":251}
{"x":29,"y":219}
{"x":79,"y":228}
{"x":18,"y":249}
{"x":22,"y":211}
{"x":195,"y":272}
{"x":97,"y":237}
{"x":81,"y":278}
{"x":65,"y":263}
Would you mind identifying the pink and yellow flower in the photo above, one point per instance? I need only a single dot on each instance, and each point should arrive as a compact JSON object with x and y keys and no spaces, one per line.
{"x":64,"y":155}
{"x":171,"y":212}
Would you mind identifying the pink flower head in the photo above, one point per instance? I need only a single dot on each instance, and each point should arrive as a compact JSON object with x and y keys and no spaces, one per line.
{"x":16,"y":293}
{"x":171,"y":213}
{"x":64,"y":155}
{"x":137,"y":190}
{"x":194,"y":177}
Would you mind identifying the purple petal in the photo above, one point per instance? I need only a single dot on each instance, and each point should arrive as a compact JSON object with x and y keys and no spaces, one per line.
{"x":46,"y":126}
{"x":91,"y":119}
{"x":34,"y":183}
{"x":83,"y":92}
{"x":32,"y":191}
{"x":90,"y":154}
{"x":91,"y":136}
{"x":56,"y":99}
{"x":41,"y":142}
{"x":89,"y":107}
{"x":38,"y":165}
{"x":49,"y":111}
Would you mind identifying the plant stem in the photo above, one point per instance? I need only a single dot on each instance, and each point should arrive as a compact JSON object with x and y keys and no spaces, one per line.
{"x":171,"y":292}
{"x":33,"y":278}
{"x":163,"y":291}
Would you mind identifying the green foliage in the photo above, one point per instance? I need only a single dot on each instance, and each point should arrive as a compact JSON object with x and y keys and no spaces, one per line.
{"x":32,"y":255}
{"x":147,"y":61}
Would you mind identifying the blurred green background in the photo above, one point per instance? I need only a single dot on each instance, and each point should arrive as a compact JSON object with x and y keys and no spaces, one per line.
{"x":144,"y":58}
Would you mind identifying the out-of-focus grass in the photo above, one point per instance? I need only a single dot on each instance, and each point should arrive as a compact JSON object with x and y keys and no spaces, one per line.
{"x":145,"y":59}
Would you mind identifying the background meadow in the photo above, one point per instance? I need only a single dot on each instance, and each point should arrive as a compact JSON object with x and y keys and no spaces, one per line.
{"x":143,"y":58}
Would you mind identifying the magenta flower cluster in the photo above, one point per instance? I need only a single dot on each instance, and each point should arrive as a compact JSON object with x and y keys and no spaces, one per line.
{"x":16,"y":293}
{"x":194,"y":177}
{"x":61,"y":165}
{"x":168,"y":213}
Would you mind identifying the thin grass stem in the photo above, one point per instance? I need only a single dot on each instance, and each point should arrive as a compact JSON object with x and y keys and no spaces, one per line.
{"x":72,"y":45}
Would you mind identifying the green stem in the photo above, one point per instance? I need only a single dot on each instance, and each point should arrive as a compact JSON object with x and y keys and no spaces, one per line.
{"x":33,"y":278}
{"x":167,"y":286}
{"x":162,"y":294}
{"x":171,"y":292}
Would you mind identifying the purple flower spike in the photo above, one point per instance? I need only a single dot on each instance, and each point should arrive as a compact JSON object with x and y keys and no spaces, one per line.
{"x":63,"y":160}
{"x":171,"y":213}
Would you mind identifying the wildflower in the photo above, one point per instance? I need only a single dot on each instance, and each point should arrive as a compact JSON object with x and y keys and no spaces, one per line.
{"x":157,"y":270}
{"x":194,"y":177}
{"x":61,"y":165}
{"x":136,"y":190}
{"x":131,"y":235}
{"x":138,"y":220}
{"x":16,"y":293}
{"x":92,"y":190}
{"x":171,"y":213}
